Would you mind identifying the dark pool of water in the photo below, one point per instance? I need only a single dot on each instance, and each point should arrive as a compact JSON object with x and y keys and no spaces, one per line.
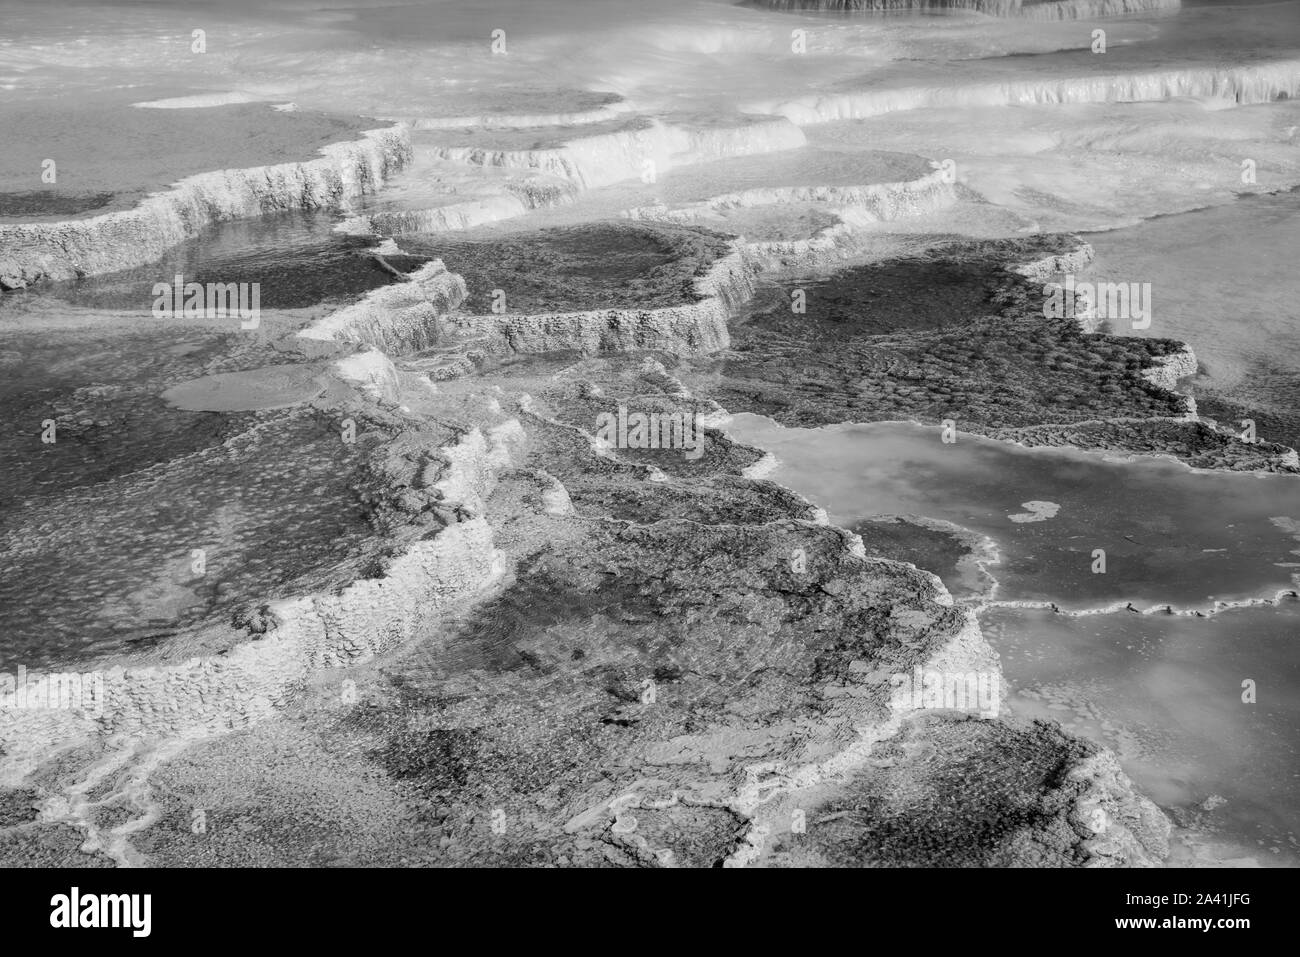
{"x":295,"y":257}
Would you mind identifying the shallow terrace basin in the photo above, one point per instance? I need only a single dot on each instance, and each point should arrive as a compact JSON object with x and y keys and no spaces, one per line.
{"x":1171,"y":536}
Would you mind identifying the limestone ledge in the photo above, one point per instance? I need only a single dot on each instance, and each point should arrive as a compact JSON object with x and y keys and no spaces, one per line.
{"x":120,"y":240}
{"x":1169,"y":369}
{"x":695,"y":328}
{"x":884,"y":200}
{"x":1256,"y":83}
{"x":857,"y":205}
{"x":398,"y":318}
{"x":560,"y":173}
{"x":1071,"y":261}
{"x":605,"y":158}
{"x":456,"y":216}
{"x":260,"y":674}
{"x":1014,"y":9}
{"x":1131,"y":831}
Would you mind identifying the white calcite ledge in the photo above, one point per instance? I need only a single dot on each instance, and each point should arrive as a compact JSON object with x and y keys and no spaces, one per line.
{"x":695,"y":328}
{"x":1014,"y":9}
{"x":260,"y":674}
{"x":651,"y":150}
{"x":133,"y":237}
{"x":398,"y":318}
{"x":1261,"y":83}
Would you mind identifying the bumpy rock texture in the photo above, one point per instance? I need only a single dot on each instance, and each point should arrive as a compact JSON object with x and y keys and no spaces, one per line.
{"x":119,"y":240}
{"x":1262,"y":83}
{"x":574,"y":654}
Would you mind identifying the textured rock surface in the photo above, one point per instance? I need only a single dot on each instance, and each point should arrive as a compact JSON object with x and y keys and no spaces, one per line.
{"x":1020,"y":9}
{"x":527,"y":643}
{"x":132,"y":237}
{"x":967,"y":343}
{"x":964,"y":793}
{"x":574,"y":654}
{"x":1261,"y":83}
{"x":595,"y":158}
{"x":398,"y":319}
{"x":694,"y":328}
{"x":853,"y":205}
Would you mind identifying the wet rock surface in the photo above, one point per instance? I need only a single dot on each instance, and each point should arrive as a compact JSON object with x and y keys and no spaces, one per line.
{"x":963,"y":793}
{"x":958,"y":334}
{"x":601,"y":266}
